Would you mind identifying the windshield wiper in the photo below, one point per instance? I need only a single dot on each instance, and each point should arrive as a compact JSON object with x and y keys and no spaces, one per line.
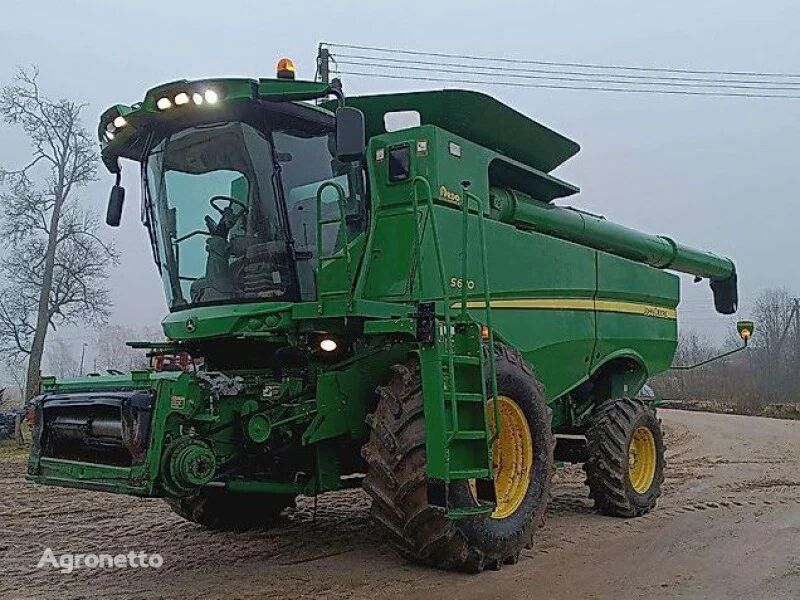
{"x":172,"y":263}
{"x":277,"y":190}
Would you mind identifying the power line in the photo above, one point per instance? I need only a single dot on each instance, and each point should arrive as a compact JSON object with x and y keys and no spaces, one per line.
{"x":557,"y":77}
{"x":566,"y":87}
{"x":561,"y":64}
{"x":495,"y":68}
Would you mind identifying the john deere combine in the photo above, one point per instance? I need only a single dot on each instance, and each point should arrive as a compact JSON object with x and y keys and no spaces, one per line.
{"x":406,"y":310}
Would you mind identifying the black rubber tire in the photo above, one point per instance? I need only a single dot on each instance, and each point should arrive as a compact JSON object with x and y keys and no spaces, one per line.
{"x":217,"y":508}
{"x":608,"y":437}
{"x":396,"y":479}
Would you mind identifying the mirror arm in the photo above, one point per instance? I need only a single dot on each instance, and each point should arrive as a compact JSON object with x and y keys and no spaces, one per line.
{"x":710,"y":360}
{"x":183,"y":238}
{"x":336,"y":90}
{"x":115,"y":202}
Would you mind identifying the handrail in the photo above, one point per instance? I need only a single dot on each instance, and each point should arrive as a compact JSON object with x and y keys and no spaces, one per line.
{"x":419,"y":239}
{"x":486,"y":296}
{"x":342,"y":220}
{"x":435,"y":230}
{"x":445,"y":292}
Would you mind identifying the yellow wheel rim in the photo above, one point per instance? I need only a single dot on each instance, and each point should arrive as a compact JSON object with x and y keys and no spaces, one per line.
{"x":512,"y":456}
{"x":642,"y":460}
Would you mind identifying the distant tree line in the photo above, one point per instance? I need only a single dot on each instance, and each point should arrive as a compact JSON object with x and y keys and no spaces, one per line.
{"x":767,"y":373}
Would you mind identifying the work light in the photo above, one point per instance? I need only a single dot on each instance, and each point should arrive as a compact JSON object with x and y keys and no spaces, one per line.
{"x":328,"y":344}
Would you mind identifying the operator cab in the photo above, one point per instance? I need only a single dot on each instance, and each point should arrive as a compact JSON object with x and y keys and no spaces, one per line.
{"x":230,"y":195}
{"x":231,"y":208}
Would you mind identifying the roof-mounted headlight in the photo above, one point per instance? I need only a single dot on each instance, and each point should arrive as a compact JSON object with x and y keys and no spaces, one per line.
{"x":211,"y":96}
{"x":192,"y":95}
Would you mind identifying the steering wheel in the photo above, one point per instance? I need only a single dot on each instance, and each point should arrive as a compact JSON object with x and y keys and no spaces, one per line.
{"x":230,"y":200}
{"x":227,"y":219}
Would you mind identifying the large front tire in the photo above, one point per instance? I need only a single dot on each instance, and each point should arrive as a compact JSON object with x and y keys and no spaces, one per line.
{"x":219,"y":509}
{"x":625,"y":463}
{"x":397,"y":482}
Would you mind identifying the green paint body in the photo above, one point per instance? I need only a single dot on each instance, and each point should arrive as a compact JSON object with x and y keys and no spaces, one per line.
{"x":584,"y":300}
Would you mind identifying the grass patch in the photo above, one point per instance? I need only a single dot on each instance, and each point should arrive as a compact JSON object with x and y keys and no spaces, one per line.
{"x":10,"y":452}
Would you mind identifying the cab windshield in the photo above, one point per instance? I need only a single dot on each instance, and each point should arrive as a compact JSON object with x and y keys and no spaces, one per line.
{"x":231,"y":211}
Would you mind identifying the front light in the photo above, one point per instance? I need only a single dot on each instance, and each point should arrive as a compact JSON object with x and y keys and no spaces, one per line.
{"x":120,"y":122}
{"x":197,"y":98}
{"x":182,"y":98}
{"x":163,"y":103}
{"x":328,"y":345}
{"x":211,"y":96}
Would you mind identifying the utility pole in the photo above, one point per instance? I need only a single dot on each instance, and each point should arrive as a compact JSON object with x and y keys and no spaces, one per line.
{"x":83,"y":354}
{"x":323,"y":64}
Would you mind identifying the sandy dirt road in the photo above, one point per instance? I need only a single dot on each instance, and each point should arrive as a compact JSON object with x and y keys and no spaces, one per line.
{"x":727,"y":526}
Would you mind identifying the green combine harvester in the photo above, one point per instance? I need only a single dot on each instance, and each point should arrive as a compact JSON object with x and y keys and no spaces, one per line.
{"x":405,"y":310}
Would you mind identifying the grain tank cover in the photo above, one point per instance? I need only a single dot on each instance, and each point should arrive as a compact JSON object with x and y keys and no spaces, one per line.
{"x":478,"y":118}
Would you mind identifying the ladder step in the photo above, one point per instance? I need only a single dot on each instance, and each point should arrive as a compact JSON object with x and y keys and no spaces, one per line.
{"x":470,"y":434}
{"x":330,"y":221}
{"x":460,"y":359}
{"x":470,"y":511}
{"x":469,"y":474}
{"x":469,"y":397}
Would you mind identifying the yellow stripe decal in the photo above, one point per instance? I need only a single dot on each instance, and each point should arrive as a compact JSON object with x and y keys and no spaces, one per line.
{"x":631,"y":308}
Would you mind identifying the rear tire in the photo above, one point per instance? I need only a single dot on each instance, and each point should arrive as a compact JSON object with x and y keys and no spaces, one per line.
{"x":622,"y":481}
{"x":216,"y":508}
{"x":397,"y":481}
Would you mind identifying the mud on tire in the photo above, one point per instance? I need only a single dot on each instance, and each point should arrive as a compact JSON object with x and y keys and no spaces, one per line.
{"x":608,"y":438}
{"x":397,"y":482}
{"x":220,"y":509}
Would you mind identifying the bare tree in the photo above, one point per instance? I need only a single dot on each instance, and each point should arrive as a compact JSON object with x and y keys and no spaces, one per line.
{"x":55,"y":261}
{"x":114,"y":353}
{"x":692,"y":348}
{"x":777,"y":342}
{"x":767,"y":373}
{"x":61,"y":360}
{"x":14,"y":371}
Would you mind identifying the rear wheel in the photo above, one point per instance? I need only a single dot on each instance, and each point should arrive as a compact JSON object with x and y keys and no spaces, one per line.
{"x":625,"y":464}
{"x":216,"y":508}
{"x":523,"y":461}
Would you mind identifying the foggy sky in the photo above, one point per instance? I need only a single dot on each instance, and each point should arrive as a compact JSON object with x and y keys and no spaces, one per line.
{"x":717,"y":173}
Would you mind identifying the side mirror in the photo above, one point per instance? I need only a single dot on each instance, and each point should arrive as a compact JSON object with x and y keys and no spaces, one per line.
{"x":726,"y":294}
{"x":745,"y":329}
{"x":115,"y":202}
{"x":350,"y":134}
